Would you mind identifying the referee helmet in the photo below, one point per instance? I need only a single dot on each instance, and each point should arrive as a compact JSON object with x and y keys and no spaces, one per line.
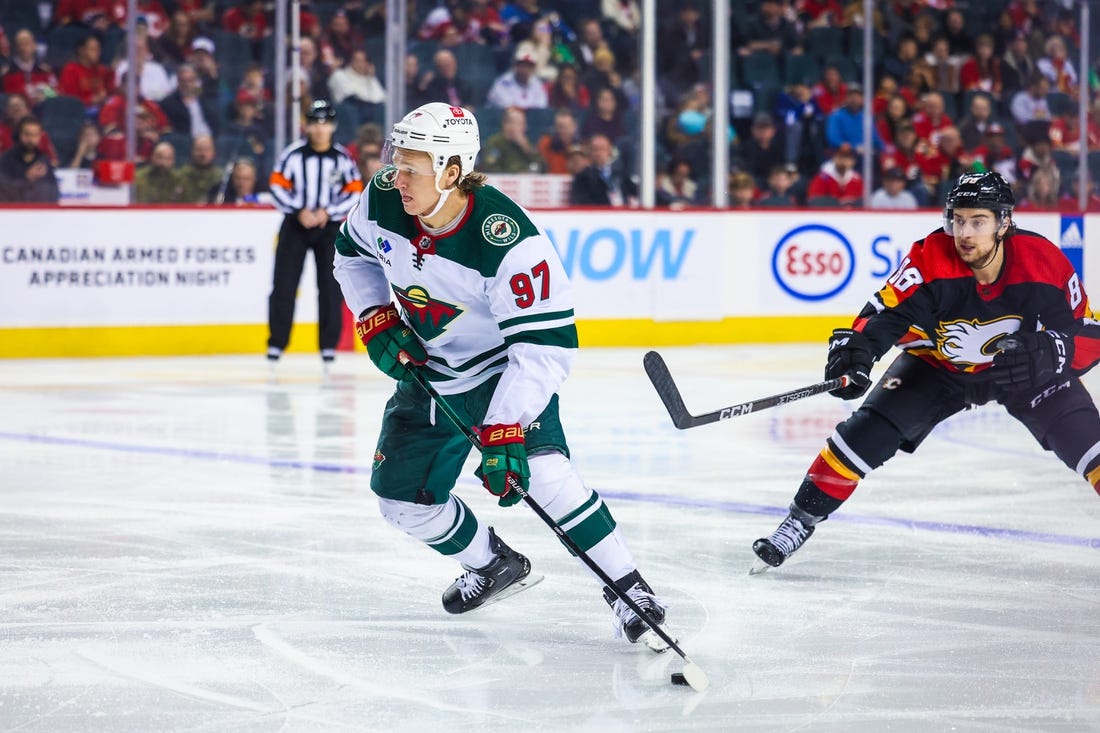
{"x":321,"y":111}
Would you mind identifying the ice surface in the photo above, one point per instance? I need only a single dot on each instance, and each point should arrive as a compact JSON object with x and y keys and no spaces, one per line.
{"x":191,"y":544}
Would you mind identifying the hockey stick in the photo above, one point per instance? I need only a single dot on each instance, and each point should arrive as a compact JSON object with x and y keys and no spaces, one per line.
{"x":662,"y":380}
{"x":692,"y":674}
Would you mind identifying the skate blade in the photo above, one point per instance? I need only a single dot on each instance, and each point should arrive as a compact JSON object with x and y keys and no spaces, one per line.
{"x":759,"y":567}
{"x":517,"y":587}
{"x":655,"y":643}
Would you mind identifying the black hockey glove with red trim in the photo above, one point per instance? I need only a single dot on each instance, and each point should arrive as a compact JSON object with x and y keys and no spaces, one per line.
{"x":1031,"y":359}
{"x":850,"y":353}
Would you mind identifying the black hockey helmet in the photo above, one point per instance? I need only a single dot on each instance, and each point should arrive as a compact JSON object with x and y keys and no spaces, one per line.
{"x":321,"y":111}
{"x":987,"y":190}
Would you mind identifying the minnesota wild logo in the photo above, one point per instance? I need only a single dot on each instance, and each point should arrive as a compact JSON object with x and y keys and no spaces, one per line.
{"x":384,"y":178}
{"x":500,"y":230}
{"x":427,"y":316}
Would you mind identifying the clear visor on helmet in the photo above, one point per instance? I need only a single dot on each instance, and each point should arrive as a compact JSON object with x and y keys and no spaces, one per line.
{"x":991,"y":224}
{"x":408,"y":162}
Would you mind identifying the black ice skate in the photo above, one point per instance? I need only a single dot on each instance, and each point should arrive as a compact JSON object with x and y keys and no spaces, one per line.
{"x":791,"y":534}
{"x":506,"y":575}
{"x":627,"y":623}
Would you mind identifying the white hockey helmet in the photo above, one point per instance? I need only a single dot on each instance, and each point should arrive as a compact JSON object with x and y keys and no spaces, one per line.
{"x":441,"y":131}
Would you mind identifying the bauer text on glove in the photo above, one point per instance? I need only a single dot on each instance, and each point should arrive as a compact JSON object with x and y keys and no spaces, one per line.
{"x":503,"y":459}
{"x":390,"y":343}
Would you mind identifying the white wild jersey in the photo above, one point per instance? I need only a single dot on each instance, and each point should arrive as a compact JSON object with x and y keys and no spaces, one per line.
{"x":487,"y":297}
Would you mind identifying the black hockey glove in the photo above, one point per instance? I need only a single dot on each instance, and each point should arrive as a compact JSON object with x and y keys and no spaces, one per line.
{"x":849,"y":353}
{"x":1031,"y":359}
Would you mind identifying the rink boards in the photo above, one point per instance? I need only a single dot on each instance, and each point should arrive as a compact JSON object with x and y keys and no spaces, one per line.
{"x":112,"y":282}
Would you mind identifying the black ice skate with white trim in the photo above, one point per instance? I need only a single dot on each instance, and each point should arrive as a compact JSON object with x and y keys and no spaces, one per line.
{"x":791,"y":534}
{"x":508,"y":574}
{"x":627,"y":623}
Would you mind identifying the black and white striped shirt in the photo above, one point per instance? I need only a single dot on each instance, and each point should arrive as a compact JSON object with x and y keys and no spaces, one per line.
{"x":306,"y":179}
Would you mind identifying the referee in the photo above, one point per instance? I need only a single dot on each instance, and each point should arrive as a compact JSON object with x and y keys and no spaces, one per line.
{"x":315,"y":183}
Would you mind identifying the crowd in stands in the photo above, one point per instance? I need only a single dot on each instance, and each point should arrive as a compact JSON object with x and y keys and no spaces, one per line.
{"x":959,"y":85}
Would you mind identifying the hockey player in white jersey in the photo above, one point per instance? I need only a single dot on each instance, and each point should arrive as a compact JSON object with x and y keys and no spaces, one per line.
{"x":451,"y":277}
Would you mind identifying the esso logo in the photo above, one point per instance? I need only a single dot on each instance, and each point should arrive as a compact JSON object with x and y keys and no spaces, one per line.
{"x":813,"y":262}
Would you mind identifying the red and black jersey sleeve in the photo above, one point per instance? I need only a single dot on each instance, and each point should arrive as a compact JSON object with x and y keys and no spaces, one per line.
{"x":933,"y":307}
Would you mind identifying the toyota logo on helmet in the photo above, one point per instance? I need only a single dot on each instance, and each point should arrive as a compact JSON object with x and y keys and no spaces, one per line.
{"x":441,"y":131}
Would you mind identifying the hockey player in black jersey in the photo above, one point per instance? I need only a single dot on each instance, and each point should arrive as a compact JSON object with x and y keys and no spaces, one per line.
{"x":983,"y":312}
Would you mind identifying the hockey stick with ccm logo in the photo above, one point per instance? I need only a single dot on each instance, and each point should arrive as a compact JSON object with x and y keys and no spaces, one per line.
{"x":661,"y":378}
{"x":692,"y":674}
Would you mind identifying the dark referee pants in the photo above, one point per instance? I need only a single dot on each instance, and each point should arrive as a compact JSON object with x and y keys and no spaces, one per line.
{"x":290,"y":255}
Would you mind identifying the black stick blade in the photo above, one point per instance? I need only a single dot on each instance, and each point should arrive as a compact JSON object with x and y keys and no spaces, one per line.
{"x":659,"y":375}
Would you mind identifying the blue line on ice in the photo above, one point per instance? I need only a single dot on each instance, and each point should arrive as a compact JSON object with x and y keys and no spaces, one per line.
{"x":732,"y":507}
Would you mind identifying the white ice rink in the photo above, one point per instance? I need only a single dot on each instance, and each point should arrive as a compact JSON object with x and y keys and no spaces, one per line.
{"x":190,"y":545}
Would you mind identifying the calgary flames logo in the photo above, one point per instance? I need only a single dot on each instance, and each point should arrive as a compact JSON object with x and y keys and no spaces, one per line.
{"x":972,"y":342}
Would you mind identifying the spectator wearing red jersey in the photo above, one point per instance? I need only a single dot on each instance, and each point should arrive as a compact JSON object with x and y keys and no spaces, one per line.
{"x":1035,"y":157}
{"x":905,"y":154}
{"x":113,"y":144}
{"x":494,"y":29}
{"x":944,"y":163}
{"x":150,"y":11}
{"x":1065,"y":133}
{"x":85,"y":77}
{"x":838,"y":179}
{"x":90,"y":13}
{"x":15,"y":109}
{"x":28,"y":75}
{"x":931,"y":118}
{"x":982,"y":72}
{"x":201,"y":12}
{"x":830,"y":91}
{"x":451,"y":21}
{"x":819,"y":13}
{"x":1026,"y":14}
{"x":567,"y":91}
{"x":112,"y":115}
{"x":888,"y":89}
{"x":894,"y":113}
{"x":246,"y":19}
{"x":902,"y":152}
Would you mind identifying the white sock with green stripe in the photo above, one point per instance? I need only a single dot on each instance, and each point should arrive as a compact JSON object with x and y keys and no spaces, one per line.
{"x":450,"y":529}
{"x":580,"y":511}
